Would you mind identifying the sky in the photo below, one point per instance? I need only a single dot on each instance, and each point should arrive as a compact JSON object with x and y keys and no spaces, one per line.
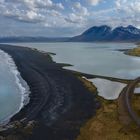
{"x":59,"y":18}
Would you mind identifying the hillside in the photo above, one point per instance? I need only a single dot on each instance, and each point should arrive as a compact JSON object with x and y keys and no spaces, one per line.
{"x":106,"y":33}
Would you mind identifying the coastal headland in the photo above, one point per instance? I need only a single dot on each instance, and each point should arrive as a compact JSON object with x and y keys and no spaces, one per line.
{"x":59,"y":102}
{"x":115,"y":120}
{"x":64,"y":105}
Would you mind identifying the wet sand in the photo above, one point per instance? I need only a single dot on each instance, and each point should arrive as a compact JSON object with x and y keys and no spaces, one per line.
{"x":59,"y":102}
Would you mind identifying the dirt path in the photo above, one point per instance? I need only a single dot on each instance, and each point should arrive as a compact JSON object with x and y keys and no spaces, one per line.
{"x":126,"y":112}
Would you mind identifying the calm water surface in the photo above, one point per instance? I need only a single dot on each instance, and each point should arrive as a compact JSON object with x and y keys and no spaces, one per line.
{"x":98,"y":59}
{"x":94,"y":58}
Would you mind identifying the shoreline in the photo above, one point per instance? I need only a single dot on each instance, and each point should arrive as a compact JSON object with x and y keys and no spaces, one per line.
{"x":21,"y":86}
{"x":58,"y":98}
{"x":63,"y":65}
{"x":60,"y":126}
{"x":133,"y":52}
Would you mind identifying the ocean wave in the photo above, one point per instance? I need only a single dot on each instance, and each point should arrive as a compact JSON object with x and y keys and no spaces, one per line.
{"x":22,"y":86}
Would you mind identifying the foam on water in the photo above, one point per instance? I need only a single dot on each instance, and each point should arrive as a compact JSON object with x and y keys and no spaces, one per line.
{"x":11,"y":79}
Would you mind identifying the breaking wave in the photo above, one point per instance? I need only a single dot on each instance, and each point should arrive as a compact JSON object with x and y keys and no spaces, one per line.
{"x":21,"y":84}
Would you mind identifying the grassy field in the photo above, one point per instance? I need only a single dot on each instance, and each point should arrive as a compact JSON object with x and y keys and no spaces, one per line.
{"x":106,"y":124}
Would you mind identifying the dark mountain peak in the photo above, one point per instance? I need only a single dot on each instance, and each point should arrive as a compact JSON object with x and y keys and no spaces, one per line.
{"x":105,"y":28}
{"x":119,"y":28}
{"x":129,"y":29}
{"x":133,"y":29}
{"x":98,"y":29}
{"x":106,"y":33}
{"x":102,"y":27}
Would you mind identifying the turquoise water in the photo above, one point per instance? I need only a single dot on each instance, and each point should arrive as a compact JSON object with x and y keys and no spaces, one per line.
{"x":13,"y":88}
{"x":94,"y":58}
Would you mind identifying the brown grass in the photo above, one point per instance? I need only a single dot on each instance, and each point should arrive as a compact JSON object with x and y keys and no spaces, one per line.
{"x":135,"y":51}
{"x":106,"y":125}
{"x":136,"y":104}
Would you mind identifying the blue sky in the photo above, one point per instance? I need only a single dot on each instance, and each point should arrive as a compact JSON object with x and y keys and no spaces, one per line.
{"x":55,"y":18}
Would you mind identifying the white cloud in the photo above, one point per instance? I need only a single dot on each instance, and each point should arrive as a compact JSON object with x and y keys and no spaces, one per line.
{"x":31,"y":14}
{"x":60,"y":5}
{"x":94,"y":2}
{"x":79,"y":9}
{"x":128,"y":11}
{"x":79,"y":14}
{"x":72,"y":15}
{"x":34,"y":11}
{"x":124,"y":13}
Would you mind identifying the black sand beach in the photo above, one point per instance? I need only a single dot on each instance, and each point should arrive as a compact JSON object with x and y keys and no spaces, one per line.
{"x":59,"y":102}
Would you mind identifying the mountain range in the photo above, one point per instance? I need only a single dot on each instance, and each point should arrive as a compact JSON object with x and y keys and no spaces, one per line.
{"x":102,"y":33}
{"x":106,"y":33}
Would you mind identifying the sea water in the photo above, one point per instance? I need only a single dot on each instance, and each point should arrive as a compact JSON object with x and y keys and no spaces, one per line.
{"x":14,"y":90}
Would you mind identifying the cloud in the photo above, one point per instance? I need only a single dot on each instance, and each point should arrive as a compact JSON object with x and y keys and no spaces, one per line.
{"x":45,"y":12}
{"x":79,"y":14}
{"x":68,"y":15}
{"x":79,"y":9}
{"x":128,"y":6}
{"x":128,"y":11}
{"x":34,"y":11}
{"x":94,"y":2}
{"x":124,"y":13}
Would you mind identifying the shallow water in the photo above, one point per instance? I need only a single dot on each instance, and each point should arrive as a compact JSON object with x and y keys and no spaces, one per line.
{"x":13,"y":89}
{"x":108,"y":89}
